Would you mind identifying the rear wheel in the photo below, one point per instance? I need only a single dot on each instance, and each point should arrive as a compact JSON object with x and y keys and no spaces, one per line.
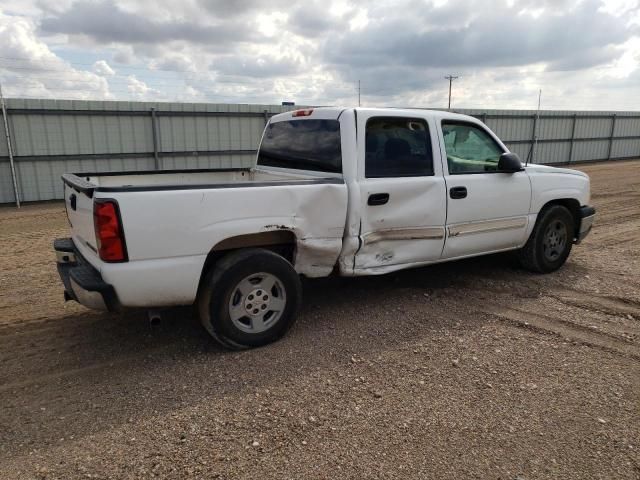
{"x":550,"y":242}
{"x":249,"y":299}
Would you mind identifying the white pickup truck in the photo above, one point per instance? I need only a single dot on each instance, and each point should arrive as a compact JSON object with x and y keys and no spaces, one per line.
{"x":334,"y":191}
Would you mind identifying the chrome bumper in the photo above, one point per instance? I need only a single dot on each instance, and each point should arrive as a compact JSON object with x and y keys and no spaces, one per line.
{"x":81,"y":281}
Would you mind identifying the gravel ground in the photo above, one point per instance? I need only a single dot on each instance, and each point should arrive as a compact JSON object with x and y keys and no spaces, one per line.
{"x":474,"y":369}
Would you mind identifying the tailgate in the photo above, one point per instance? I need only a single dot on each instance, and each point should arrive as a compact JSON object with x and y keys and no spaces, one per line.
{"x":80,"y":212}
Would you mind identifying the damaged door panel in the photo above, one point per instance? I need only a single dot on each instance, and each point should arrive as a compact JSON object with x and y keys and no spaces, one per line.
{"x":402,"y":194}
{"x":404,"y":230}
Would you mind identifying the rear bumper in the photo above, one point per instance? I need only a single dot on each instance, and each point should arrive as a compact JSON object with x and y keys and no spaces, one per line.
{"x":587,"y":216}
{"x":81,"y":281}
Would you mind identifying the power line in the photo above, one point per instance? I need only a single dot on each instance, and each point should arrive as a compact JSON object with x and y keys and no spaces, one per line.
{"x":112,"y":65}
{"x":192,"y":78}
{"x":151,"y":72}
{"x":70,"y":69}
{"x":110,"y":81}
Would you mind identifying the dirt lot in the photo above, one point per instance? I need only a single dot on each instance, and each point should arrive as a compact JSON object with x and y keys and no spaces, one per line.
{"x":469,"y":370}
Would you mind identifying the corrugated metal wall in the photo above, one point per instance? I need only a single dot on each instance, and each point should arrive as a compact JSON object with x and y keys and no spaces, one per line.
{"x":51,"y":137}
{"x":565,"y":137}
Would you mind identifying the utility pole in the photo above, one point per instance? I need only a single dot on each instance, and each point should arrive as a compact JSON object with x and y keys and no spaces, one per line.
{"x":359,"y":90}
{"x":451,"y":78}
{"x":9,"y":149}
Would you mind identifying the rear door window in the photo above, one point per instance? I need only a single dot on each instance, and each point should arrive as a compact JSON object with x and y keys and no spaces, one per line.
{"x":397,"y":147}
{"x":302,"y":145}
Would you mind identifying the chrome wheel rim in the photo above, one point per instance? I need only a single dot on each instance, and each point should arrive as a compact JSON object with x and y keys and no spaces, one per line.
{"x":555,"y":240}
{"x":257,"y":302}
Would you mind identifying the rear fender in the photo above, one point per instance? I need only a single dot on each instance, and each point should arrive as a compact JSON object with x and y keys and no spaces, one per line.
{"x":310,"y":256}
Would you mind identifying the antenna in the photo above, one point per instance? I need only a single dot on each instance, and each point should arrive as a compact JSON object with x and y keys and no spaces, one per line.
{"x":451,"y":78}
{"x":538,"y":117}
{"x":359,"y":91}
{"x":534,"y":144}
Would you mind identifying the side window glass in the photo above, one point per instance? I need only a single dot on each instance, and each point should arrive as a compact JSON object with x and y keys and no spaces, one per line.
{"x":470,"y":149}
{"x":397,"y":147}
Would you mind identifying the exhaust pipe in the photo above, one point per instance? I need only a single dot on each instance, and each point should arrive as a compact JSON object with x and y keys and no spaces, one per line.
{"x":154,"y":317}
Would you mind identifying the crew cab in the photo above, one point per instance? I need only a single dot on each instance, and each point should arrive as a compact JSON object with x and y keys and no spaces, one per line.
{"x":334,"y":191}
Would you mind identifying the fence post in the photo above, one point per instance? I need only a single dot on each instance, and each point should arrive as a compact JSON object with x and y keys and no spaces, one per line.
{"x":5,"y":119}
{"x":154,"y":132}
{"x":611,"y":137}
{"x":573,"y":137}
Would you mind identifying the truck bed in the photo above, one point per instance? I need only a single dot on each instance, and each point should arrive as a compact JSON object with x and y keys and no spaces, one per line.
{"x":173,"y":219}
{"x":182,"y":179}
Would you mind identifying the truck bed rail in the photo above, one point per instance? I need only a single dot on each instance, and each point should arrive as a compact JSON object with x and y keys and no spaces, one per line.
{"x":79,"y":184}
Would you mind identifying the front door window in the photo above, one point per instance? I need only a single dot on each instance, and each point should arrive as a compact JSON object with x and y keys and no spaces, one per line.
{"x":470,"y":149}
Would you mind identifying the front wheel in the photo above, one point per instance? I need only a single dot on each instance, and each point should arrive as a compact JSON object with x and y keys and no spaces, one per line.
{"x":249,"y":299}
{"x":550,"y":242}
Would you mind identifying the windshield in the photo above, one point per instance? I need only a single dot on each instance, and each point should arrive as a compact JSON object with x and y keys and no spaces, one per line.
{"x":303,"y":145}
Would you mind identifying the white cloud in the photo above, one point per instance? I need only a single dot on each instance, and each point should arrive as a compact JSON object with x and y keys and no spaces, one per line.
{"x":136,"y":87}
{"x":139,"y":89}
{"x":583,"y":53}
{"x":29,"y":68}
{"x":101,"y":67}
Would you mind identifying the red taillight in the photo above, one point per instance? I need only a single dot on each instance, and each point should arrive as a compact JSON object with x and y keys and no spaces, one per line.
{"x":109,"y":234}
{"x":303,"y":113}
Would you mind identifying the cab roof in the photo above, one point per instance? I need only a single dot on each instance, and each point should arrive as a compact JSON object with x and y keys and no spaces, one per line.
{"x":333,"y":113}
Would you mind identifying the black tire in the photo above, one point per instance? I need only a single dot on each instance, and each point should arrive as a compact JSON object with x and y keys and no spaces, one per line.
{"x":215,"y":303}
{"x":550,"y":242}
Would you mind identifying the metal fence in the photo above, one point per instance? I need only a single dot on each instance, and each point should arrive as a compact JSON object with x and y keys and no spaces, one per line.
{"x":565,"y":137}
{"x":51,"y":137}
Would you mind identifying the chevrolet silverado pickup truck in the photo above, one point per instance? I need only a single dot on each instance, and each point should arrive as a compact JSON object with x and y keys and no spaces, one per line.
{"x":334,"y":191}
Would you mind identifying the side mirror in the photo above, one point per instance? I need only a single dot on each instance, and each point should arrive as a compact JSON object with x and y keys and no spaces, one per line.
{"x":509,"y":163}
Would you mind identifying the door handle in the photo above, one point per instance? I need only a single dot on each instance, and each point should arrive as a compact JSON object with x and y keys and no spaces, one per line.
{"x":458,"y":192}
{"x":378,"y":199}
{"x":73,"y":201}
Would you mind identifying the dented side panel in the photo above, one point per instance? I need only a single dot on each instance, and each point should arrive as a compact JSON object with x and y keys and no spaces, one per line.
{"x":316,"y":257}
{"x":409,"y":228}
{"x":180,"y":227}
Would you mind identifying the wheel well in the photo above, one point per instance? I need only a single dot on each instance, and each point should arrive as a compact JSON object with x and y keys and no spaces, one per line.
{"x":281,"y":242}
{"x":570,"y":204}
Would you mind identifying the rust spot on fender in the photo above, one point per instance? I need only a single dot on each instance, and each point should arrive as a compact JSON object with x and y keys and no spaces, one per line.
{"x":277,"y":227}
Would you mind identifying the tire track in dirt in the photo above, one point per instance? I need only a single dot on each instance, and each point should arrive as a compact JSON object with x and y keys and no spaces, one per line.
{"x":627,"y":233}
{"x":608,"y":304}
{"x":55,"y":324}
{"x":56,"y":377}
{"x":564,"y":329}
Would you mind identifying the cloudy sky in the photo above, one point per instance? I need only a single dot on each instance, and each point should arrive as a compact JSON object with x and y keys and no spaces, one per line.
{"x":583,"y":54}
